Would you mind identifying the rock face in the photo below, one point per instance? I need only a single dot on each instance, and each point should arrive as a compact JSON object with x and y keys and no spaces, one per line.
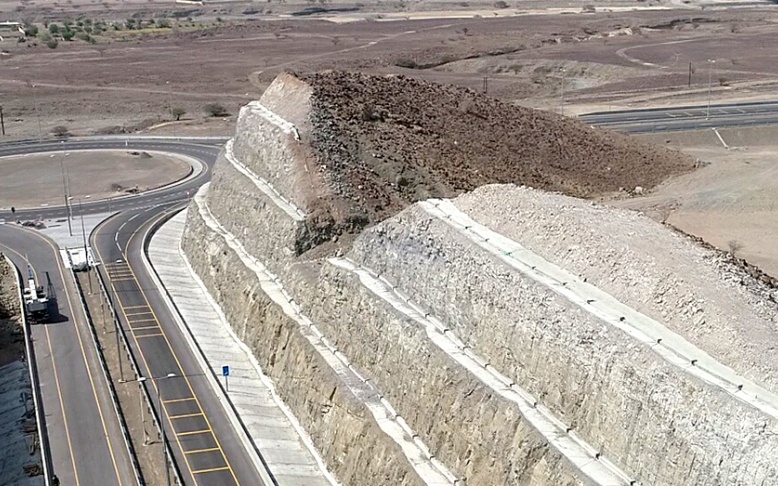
{"x":432,"y":347}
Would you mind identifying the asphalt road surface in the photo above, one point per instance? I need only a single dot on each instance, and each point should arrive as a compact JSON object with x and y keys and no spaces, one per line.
{"x":686,"y":117}
{"x":86,"y":442}
{"x":203,"y":150}
{"x":204,"y":443}
{"x":85,"y":438}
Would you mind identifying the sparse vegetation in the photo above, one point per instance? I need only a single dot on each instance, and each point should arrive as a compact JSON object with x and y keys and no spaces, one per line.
{"x":734,"y":247}
{"x":60,"y":131}
{"x":215,"y":110}
{"x":177,"y":112}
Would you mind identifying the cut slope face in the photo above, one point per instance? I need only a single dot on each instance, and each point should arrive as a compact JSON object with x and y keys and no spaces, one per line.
{"x":386,"y":141}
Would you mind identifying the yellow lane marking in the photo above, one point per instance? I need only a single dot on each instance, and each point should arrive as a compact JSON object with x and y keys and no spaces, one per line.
{"x":194,"y":432}
{"x":55,"y":251}
{"x":148,"y":335}
{"x":56,"y":377}
{"x":139,"y":313}
{"x":170,"y":347}
{"x":198,"y":414}
{"x":145,"y":361}
{"x":143,"y":328}
{"x":136,"y":307}
{"x":139,"y":321}
{"x":198,"y":451}
{"x":177,"y":400}
{"x":178,"y":363}
{"x":213,"y":469}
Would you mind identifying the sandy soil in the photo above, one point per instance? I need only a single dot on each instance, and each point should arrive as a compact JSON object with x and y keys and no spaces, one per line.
{"x":37,"y":180}
{"x":130,"y":80}
{"x":732,"y":199}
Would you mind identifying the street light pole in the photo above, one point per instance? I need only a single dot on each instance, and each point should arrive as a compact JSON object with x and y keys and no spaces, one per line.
{"x":141,"y":379}
{"x":162,"y":425}
{"x":65,"y":191}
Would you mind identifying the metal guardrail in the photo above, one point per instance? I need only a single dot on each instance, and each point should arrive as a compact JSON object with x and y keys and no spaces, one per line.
{"x":37,"y":399}
{"x":111,"y":388}
{"x":131,"y":138}
{"x":136,"y":370}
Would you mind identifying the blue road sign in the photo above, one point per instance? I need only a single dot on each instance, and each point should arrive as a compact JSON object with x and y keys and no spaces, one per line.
{"x":225,"y":371}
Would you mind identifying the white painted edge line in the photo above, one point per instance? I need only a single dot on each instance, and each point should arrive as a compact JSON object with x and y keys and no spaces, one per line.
{"x":431,"y":472}
{"x":285,"y":126}
{"x":669,"y":345}
{"x":266,"y":381}
{"x":208,"y":372}
{"x":284,"y":204}
{"x":583,"y":456}
{"x":30,"y":360}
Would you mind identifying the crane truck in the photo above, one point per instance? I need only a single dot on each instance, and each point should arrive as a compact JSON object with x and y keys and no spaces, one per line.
{"x":36,"y":303}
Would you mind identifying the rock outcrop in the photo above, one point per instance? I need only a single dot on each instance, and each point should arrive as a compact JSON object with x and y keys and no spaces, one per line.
{"x":450,"y":343}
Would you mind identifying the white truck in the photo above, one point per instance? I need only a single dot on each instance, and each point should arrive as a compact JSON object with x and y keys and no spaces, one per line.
{"x":36,"y":303}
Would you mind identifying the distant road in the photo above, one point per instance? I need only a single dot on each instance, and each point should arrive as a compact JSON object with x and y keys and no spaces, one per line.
{"x":683,"y":118}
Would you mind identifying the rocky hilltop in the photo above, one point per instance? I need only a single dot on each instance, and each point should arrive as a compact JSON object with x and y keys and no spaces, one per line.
{"x":384,"y":142}
{"x":507,"y":335}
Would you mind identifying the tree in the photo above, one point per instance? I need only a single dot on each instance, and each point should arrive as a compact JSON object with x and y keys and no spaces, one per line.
{"x":68,"y":35}
{"x":734,"y":247}
{"x":54,"y":29}
{"x":177,"y":112}
{"x":215,"y":109}
{"x":60,"y":131}
{"x":30,"y":29}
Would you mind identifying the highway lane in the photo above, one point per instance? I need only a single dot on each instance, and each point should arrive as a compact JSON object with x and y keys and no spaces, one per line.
{"x":683,"y":118}
{"x":204,"y":150}
{"x":207,"y":449}
{"x":86,"y":441}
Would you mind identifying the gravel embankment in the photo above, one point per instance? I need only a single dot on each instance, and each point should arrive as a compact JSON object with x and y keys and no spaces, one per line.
{"x":695,"y":291}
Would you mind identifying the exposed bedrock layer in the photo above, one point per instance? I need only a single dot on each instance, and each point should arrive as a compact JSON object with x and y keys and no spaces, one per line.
{"x":343,"y":431}
{"x":660,"y":424}
{"x":518,"y":384}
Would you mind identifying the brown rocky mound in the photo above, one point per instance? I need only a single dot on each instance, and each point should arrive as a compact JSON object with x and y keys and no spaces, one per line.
{"x":388,"y":141}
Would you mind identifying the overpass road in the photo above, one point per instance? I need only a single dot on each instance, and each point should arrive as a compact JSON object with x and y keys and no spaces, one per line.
{"x":684,"y":118}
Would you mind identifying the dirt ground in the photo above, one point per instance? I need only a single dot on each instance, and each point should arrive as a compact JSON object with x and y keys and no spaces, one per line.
{"x":11,"y":334}
{"x":129,"y":80}
{"x":37,"y":180}
{"x":730,"y":202}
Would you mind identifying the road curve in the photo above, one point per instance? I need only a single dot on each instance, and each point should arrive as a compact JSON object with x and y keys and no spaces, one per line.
{"x":203,"y":149}
{"x":206,"y":447}
{"x":86,"y":442}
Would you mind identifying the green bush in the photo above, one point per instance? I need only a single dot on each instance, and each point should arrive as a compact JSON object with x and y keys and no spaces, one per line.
{"x":52,"y":43}
{"x":53,"y":29}
{"x":68,"y":35}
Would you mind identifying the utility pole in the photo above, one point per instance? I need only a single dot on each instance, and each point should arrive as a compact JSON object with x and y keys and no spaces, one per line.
{"x":562,"y":98}
{"x":690,"y":75}
{"x":710,"y":77}
{"x":486,"y":84}
{"x":2,"y":121}
{"x":37,"y":111}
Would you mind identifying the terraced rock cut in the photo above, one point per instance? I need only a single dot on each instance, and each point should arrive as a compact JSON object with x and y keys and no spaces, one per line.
{"x":428,"y":326}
